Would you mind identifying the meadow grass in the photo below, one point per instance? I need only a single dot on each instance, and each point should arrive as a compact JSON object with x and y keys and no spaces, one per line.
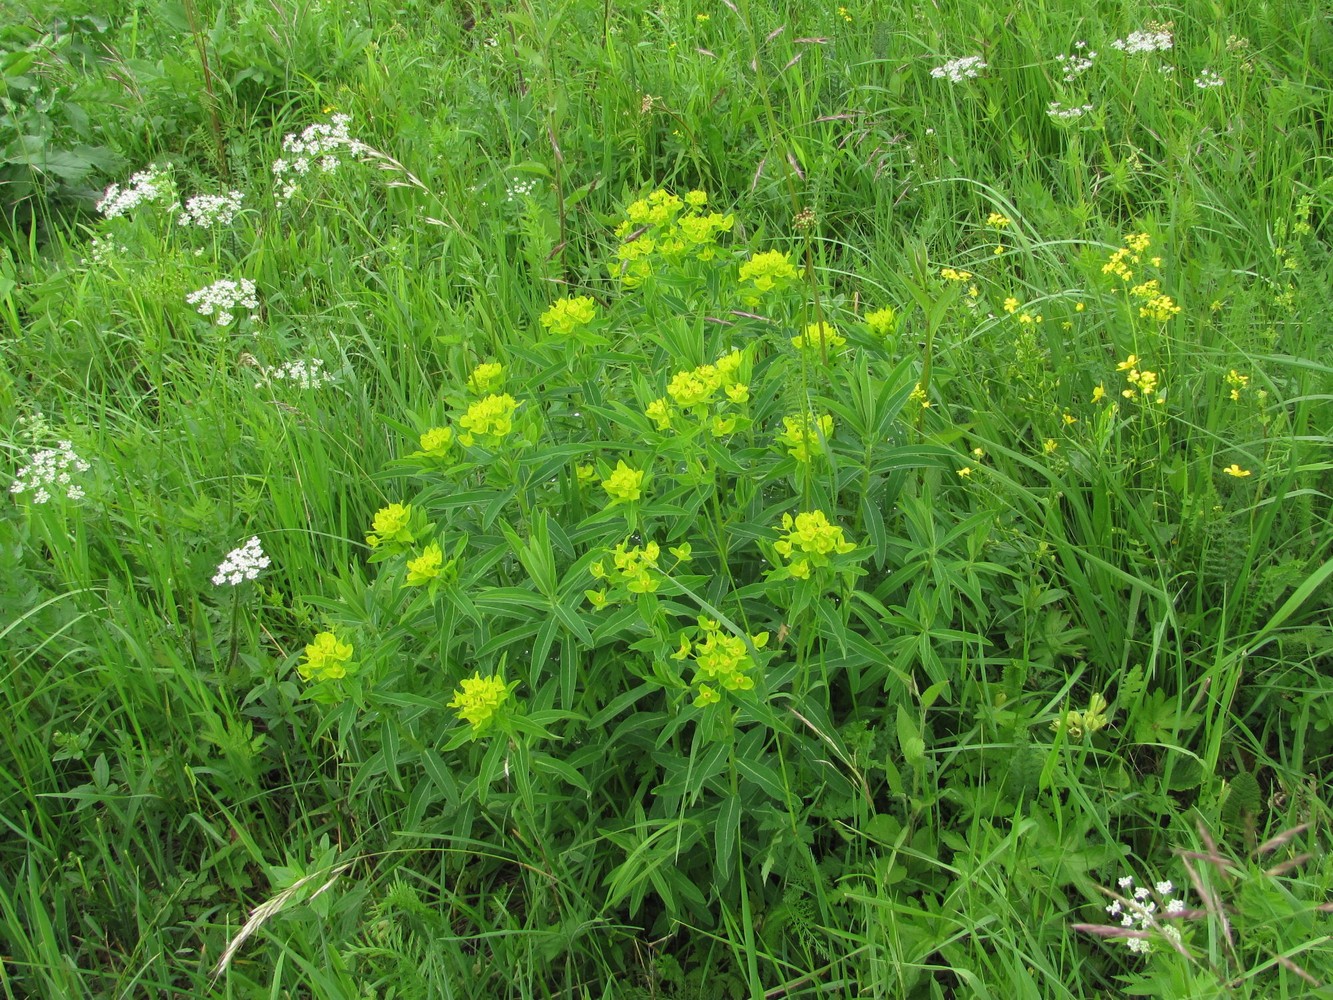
{"x":751,"y":500}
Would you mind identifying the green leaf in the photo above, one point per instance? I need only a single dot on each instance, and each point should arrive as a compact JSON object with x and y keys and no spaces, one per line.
{"x":726,"y":836}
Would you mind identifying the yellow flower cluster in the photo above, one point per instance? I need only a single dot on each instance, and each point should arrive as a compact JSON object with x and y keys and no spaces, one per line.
{"x":882,"y":322}
{"x":801,"y":434}
{"x":698,"y":390}
{"x":720,"y":660}
{"x":392,"y":527}
{"x":624,"y":484}
{"x":1120,"y":262}
{"x":478,"y":699}
{"x":818,"y":337}
{"x":1237,"y":381}
{"x":765,"y":272}
{"x":425,"y":567}
{"x":436,"y":441}
{"x":489,"y":417}
{"x":809,"y":541}
{"x":328,"y":658}
{"x":1142,"y":383}
{"x":663,"y":228}
{"x":951,"y":274}
{"x":635,"y":569}
{"x":1155,"y":305}
{"x":486,"y":378}
{"x":569,"y":314}
{"x":1081,"y":724}
{"x":997,"y":221}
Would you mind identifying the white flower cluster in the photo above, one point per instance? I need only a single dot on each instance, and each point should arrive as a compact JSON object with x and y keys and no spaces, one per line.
{"x":1139,"y":912}
{"x":958,"y":70}
{"x":1143,"y":41}
{"x":1067,"y":114}
{"x":241,"y":564}
{"x":222,"y":297}
{"x":101,"y":249}
{"x":320,"y":146}
{"x":209,"y":210}
{"x":519,"y":188}
{"x":149,"y":185}
{"x":1077,"y":62}
{"x":51,"y":470}
{"x":1208,"y":78}
{"x":300,"y":374}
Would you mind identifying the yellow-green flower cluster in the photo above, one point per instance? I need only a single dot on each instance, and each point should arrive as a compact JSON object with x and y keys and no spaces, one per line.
{"x":882,"y":322}
{"x":808,"y":541}
{"x":705,"y":394}
{"x":569,"y":314}
{"x":491,"y":418}
{"x":802,"y":433}
{"x":1080,"y":724}
{"x":435,"y":442}
{"x":327,"y":658}
{"x":1143,"y":384}
{"x":425,"y":567}
{"x":478,"y":699}
{"x":486,"y":378}
{"x":635,"y":569}
{"x":392,"y":527}
{"x":624,"y":484}
{"x":765,"y":272}
{"x":721,"y":660}
{"x":1155,"y":305}
{"x":819,"y":336}
{"x":662,"y":229}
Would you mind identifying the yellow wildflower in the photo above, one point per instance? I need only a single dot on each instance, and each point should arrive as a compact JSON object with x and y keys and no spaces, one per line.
{"x":327,"y":658}
{"x":425,"y":567}
{"x":569,"y":314}
{"x":965,"y":472}
{"x":486,"y":377}
{"x":1011,"y":304}
{"x":1098,"y":393}
{"x":818,"y":336}
{"x":801,"y":434}
{"x":808,"y":541}
{"x":392,"y":526}
{"x":436,"y":441}
{"x":768,"y":270}
{"x":492,"y":416}
{"x":882,"y":322}
{"x":624,"y":484}
{"x":997,"y":221}
{"x":478,"y":699}
{"x":1236,"y":471}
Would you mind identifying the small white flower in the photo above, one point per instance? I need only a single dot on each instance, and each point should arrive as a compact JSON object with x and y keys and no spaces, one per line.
{"x":208,"y":210}
{"x":1067,"y":114}
{"x":1164,"y":888}
{"x":1127,"y":882}
{"x":1208,"y":78}
{"x":48,"y":470}
{"x":1141,"y":946}
{"x":147,"y":186}
{"x":241,"y":564}
{"x":958,"y":70}
{"x":1175,"y":906}
{"x":1143,"y":41}
{"x":321,"y":145}
{"x":222,"y":297}
{"x":301,"y":374}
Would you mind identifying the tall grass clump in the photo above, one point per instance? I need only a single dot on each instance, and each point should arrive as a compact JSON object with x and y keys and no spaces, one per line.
{"x":564,"y":499}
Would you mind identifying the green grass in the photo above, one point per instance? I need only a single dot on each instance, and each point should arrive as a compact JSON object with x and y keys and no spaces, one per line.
{"x":1063,"y":644}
